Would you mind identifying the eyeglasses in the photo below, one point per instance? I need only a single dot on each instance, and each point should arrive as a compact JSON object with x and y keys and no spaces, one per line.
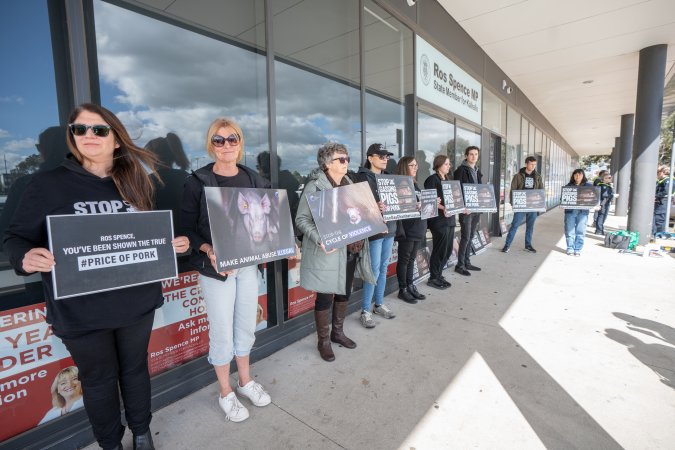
{"x":383,"y":157}
{"x":219,"y":141}
{"x":342,"y":159}
{"x":79,"y":129}
{"x":413,"y":165}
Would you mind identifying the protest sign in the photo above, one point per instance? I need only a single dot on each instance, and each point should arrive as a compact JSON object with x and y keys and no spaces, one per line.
{"x":249,"y":226}
{"x":452,"y":197}
{"x":580,"y":197}
{"x":479,"y":198}
{"x":100,"y":252}
{"x":397,"y":192}
{"x":480,"y":241}
{"x":345,"y":214}
{"x":528,"y":200}
{"x":429,"y":203}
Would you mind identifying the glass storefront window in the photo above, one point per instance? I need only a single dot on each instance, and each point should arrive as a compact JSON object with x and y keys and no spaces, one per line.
{"x":524,"y":141}
{"x":494,"y":113}
{"x":511,"y":167}
{"x":434,"y":136}
{"x":467,"y":135}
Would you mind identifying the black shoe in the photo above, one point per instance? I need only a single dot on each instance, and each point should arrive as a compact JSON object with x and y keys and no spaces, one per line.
{"x":436,"y":283}
{"x":415,"y":293}
{"x":462,"y":271}
{"x":472,"y":267}
{"x":505,"y":249}
{"x":529,"y":248}
{"x":445,"y":282}
{"x":144,"y":441}
{"x":406,"y":296}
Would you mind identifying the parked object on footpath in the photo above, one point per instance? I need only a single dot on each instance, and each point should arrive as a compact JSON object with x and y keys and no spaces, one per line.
{"x":622,"y":239}
{"x":231,"y":296}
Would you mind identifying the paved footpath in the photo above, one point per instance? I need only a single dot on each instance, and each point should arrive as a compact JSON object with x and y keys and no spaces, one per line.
{"x":536,"y":351}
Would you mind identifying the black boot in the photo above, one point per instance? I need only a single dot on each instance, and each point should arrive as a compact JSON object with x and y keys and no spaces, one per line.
{"x":415,"y":293}
{"x":322,"y":319}
{"x":406,"y":296}
{"x":143,"y":441}
{"x":337,"y":334}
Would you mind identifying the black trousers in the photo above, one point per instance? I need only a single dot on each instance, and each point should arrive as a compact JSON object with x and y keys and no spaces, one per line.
{"x":107,"y":359}
{"x":406,"y":258}
{"x":441,"y":251}
{"x":468,"y":224}
{"x":660,"y":219}
{"x":324,"y":300}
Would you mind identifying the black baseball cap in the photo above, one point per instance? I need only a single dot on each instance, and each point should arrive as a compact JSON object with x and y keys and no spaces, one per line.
{"x":378,"y":149}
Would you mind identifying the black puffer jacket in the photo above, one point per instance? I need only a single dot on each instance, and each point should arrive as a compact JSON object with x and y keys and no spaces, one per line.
{"x":194,"y":215}
{"x":441,"y":222}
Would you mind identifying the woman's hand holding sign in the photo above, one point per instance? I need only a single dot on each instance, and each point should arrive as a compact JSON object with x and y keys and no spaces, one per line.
{"x":181,"y":244}
{"x":38,"y":260}
{"x":206,"y":248}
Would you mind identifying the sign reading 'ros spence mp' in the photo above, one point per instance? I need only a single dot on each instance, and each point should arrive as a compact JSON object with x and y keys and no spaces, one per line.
{"x":101,"y":252}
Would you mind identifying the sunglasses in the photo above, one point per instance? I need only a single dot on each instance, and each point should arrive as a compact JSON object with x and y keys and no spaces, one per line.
{"x":219,"y":141}
{"x":79,"y":129}
{"x":383,"y":157}
{"x":342,"y":159}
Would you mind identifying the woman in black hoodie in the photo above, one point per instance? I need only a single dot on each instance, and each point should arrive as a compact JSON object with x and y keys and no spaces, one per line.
{"x":106,"y":333}
{"x":410,"y":236}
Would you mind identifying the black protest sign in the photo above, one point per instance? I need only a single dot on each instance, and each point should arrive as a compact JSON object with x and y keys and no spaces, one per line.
{"x":429,"y":202}
{"x":397,"y":192}
{"x":345,"y":214}
{"x":479,"y":198}
{"x":421,"y":269}
{"x":528,"y":200}
{"x":452,"y":197}
{"x":480,"y":241}
{"x":249,"y":226}
{"x":580,"y":197}
{"x":101,"y":252}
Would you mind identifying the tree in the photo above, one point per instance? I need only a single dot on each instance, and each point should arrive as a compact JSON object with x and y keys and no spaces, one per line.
{"x":29,"y":165}
{"x":600,"y":160}
{"x":665,"y":148}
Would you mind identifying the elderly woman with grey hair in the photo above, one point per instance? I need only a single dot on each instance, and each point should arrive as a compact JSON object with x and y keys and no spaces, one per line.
{"x":329,"y":273}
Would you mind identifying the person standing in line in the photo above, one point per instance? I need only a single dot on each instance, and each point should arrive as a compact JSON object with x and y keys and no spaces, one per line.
{"x":663,"y":185}
{"x":106,"y":333}
{"x":380,"y":244}
{"x":442,"y":227}
{"x":231,"y":297}
{"x":597,"y":181}
{"x":410,"y":235}
{"x":330,"y":273}
{"x":606,"y":197}
{"x":467,"y":172}
{"x":576,"y":219}
{"x":526,"y":178}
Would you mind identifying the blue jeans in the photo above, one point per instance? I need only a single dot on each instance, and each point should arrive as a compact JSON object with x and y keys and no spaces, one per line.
{"x":518,"y":219}
{"x":575,"y":228}
{"x":380,"y":251}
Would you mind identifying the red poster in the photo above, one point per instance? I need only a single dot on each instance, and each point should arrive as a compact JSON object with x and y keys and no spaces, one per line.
{"x":300,"y":300}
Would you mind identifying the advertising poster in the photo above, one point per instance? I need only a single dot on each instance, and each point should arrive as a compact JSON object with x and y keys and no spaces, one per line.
{"x":479,"y":198}
{"x":249,"y":226}
{"x":300,"y":300}
{"x":480,"y":241}
{"x":452,"y":197}
{"x":393,"y":259}
{"x":528,"y":200}
{"x":397,"y":192}
{"x":100,"y":252}
{"x":429,"y":204}
{"x":345,"y":214}
{"x":580,"y":197}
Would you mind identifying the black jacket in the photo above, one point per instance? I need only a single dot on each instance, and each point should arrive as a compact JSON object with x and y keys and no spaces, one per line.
{"x":463,"y":174}
{"x":194,"y":216}
{"x":70,"y":189}
{"x":414,"y":229}
{"x":367,"y":175}
{"x":441,"y":222}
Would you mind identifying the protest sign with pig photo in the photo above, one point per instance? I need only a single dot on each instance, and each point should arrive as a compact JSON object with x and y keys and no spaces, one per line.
{"x":429,"y":202}
{"x":345,"y":214}
{"x":249,"y":226}
{"x":397,"y":192}
{"x":528,"y":200}
{"x":479,"y":198}
{"x":452,"y":197}
{"x":580,"y":197}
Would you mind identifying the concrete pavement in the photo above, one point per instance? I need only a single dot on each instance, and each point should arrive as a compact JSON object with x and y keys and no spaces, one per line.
{"x":536,"y":351}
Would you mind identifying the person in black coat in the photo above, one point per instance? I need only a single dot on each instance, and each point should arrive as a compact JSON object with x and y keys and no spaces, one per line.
{"x":606,"y":197}
{"x":467,"y":172}
{"x":442,"y":227}
{"x":411,"y":234}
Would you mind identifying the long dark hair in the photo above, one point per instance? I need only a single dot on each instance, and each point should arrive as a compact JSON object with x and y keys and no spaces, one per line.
{"x":583,"y":180}
{"x":402,"y":166}
{"x":128,"y":171}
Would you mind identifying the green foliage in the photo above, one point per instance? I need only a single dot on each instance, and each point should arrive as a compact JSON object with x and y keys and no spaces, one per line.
{"x":29,"y":165}
{"x":587,"y":161}
{"x":665,"y":148}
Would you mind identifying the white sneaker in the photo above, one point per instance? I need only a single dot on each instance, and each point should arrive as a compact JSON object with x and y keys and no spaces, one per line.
{"x":255,"y":392}
{"x":232,"y":407}
{"x":367,"y":319}
{"x":384,"y":311}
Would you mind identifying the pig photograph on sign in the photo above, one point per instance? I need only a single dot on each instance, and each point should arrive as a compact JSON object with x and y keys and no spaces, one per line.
{"x":452,"y":197}
{"x":528,"y":200}
{"x":249,"y":226}
{"x":580,"y":197}
{"x":429,"y":202}
{"x":397,"y":192}
{"x":345,"y":214}
{"x":479,"y":198}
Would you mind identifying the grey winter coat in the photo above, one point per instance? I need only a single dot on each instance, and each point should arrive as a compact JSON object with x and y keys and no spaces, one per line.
{"x":321,"y":272}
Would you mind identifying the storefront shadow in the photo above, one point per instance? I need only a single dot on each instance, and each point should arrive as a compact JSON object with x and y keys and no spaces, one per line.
{"x":655,"y":356}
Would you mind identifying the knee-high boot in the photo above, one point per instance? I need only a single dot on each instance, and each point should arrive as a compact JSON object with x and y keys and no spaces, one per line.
{"x":322,"y":319}
{"x":337,"y":334}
